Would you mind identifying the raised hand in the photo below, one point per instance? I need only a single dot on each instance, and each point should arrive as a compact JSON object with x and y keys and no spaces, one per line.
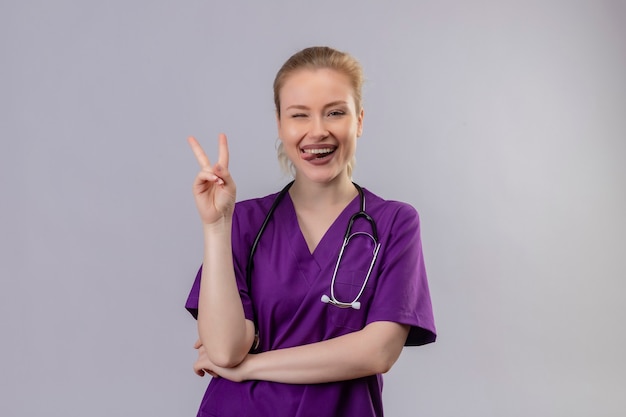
{"x":213,"y":188}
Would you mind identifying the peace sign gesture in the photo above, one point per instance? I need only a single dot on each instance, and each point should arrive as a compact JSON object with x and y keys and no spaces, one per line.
{"x":213,"y":188}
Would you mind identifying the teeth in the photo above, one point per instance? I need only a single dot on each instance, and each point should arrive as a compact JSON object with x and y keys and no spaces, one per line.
{"x":318,"y":151}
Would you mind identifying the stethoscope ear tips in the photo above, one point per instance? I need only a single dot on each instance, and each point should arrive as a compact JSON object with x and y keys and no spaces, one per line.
{"x":356,"y":305}
{"x":325,"y":299}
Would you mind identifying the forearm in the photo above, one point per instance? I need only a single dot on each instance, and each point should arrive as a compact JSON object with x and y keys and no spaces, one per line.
{"x":367,"y":352}
{"x":222,"y":326}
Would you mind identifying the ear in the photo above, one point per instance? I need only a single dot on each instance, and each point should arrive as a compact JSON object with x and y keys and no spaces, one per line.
{"x":359,"y":127}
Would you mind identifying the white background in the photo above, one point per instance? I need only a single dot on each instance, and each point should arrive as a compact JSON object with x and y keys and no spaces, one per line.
{"x":503,"y":123}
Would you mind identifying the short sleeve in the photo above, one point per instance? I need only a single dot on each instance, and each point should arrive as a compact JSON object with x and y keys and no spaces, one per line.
{"x":402,"y":294}
{"x":192,"y":299}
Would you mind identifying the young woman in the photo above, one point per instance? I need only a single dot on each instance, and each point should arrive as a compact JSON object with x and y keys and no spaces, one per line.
{"x":303,"y":318}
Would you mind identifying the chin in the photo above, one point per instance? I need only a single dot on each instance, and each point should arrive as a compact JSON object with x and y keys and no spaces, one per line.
{"x":325,"y":177}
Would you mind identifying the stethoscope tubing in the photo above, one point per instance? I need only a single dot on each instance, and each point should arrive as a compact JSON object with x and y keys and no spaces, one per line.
{"x":355,"y":304}
{"x":347,"y":236}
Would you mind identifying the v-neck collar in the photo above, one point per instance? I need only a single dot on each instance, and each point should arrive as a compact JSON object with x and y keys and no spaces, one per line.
{"x":328,"y":247}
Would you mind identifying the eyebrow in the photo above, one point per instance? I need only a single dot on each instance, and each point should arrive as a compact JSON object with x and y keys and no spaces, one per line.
{"x":331,"y":104}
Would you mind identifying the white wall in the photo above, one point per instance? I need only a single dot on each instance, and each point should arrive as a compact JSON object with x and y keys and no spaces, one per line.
{"x":503,"y":122}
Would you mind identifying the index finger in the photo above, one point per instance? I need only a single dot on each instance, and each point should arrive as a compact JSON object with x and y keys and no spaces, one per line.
{"x":201,"y":157}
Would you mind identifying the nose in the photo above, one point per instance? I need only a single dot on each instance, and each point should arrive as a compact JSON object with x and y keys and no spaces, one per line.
{"x":318,"y":130}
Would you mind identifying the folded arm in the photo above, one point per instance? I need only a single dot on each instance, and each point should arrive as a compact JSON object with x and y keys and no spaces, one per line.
{"x":369,"y":351}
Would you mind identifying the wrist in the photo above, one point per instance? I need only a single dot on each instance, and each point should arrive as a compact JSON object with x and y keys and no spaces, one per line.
{"x":222,"y":225}
{"x":248,"y":367}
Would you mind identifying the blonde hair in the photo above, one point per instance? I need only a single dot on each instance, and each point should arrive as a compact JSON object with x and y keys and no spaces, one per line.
{"x":313,"y":58}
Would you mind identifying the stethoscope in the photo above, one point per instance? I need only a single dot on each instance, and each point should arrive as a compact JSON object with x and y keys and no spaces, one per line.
{"x":355,"y":303}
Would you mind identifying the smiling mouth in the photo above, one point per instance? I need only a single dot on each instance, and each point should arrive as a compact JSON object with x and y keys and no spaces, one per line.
{"x":317,"y":153}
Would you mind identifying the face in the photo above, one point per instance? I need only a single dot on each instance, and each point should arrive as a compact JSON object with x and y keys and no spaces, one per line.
{"x":318,"y":124}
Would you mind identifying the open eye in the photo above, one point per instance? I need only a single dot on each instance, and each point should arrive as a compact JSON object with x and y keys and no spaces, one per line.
{"x":336,"y":113}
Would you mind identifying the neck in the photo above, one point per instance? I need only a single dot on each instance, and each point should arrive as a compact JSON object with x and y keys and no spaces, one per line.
{"x":312,"y":195}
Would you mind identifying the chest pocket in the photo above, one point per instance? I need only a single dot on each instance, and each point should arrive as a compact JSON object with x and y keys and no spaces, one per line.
{"x":348,"y":283}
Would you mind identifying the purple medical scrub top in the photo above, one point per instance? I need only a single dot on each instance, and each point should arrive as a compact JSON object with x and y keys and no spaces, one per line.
{"x":284,"y":301}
